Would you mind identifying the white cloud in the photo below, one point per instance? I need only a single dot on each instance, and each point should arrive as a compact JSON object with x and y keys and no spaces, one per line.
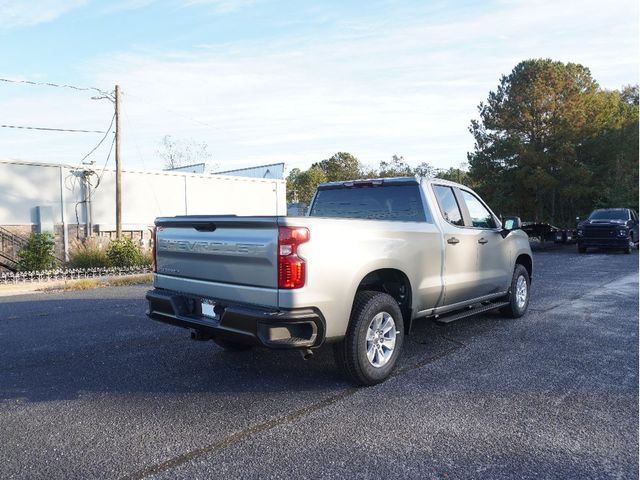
{"x":368,"y":88}
{"x":20,"y":13}
{"x":221,"y":6}
{"x":117,"y":6}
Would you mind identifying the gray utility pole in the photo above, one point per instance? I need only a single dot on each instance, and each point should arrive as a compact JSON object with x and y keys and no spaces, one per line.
{"x":118,"y":169}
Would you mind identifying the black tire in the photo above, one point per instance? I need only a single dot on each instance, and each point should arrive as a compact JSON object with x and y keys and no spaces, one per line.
{"x":516,"y":308}
{"x":351,"y":352}
{"x":231,"y":346}
{"x":582,"y":249}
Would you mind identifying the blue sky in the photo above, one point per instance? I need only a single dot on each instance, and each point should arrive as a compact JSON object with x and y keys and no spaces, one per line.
{"x":267,"y":81}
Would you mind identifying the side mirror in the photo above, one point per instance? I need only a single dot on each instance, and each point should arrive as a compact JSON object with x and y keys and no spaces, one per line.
{"x":509,"y":224}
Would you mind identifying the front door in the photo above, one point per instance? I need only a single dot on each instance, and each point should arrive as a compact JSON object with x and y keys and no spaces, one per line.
{"x":494,"y":258}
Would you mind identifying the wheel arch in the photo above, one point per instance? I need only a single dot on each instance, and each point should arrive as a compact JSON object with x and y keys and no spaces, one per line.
{"x":527,"y":262}
{"x":391,"y":281}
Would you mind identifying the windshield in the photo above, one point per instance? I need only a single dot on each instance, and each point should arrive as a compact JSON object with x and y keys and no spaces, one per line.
{"x":397,"y":202}
{"x":609,"y":215}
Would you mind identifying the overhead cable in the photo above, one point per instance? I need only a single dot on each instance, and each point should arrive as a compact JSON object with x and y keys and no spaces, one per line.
{"x":48,"y":129}
{"x":102,"y":140}
{"x":57,"y":85}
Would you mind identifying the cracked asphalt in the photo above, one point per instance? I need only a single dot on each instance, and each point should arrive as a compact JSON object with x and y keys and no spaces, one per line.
{"x":90,"y":388}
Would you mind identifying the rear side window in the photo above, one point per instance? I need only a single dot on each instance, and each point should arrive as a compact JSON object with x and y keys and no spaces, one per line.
{"x":401,"y":203}
{"x":448,"y":205}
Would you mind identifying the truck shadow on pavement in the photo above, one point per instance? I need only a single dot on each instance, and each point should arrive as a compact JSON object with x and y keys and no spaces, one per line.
{"x":61,"y":349}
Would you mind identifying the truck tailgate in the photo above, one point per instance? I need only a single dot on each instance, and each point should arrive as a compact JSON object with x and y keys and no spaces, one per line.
{"x":219,"y":257}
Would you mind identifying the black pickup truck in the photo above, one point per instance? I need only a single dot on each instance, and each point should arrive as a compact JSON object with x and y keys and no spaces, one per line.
{"x":609,"y":228}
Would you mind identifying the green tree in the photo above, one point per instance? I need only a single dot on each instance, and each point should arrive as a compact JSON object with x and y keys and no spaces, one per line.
{"x":611,"y":155}
{"x":38,"y":253}
{"x":292,"y":185}
{"x":458,"y":175}
{"x":424,"y":170}
{"x":302,"y":185}
{"x":397,"y":167}
{"x":341,"y":166}
{"x":528,"y":138}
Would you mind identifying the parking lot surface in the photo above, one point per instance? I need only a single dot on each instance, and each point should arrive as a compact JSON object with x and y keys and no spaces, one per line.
{"x":90,"y":388}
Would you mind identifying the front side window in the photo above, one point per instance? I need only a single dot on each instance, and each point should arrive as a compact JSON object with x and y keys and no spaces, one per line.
{"x":448,"y":205}
{"x":480,"y":216}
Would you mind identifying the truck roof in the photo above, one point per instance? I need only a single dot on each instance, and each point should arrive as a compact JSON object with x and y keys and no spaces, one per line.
{"x":608,"y":209}
{"x":387,"y":181}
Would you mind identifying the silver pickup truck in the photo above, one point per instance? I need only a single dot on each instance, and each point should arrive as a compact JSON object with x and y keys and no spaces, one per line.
{"x":370,"y":257}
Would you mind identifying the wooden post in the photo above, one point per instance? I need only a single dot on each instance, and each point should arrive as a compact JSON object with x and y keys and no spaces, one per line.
{"x":118,"y":169}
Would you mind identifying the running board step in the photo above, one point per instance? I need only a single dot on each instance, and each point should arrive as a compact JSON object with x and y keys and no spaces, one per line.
{"x":452,"y":317}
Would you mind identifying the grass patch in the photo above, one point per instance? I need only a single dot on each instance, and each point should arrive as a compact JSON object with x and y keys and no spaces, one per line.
{"x":83,"y":284}
{"x":130,"y":280}
{"x":87,"y":253}
{"x":88,"y":283}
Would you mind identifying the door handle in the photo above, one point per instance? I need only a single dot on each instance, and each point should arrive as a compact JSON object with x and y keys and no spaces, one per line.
{"x":453,"y":241}
{"x":482,"y":241}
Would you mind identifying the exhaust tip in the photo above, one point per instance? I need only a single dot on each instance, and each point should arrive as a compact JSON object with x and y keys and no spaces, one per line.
{"x":307,"y":353}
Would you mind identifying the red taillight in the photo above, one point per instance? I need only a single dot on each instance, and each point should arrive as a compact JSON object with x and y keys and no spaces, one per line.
{"x":291,"y":268}
{"x":154,"y":264}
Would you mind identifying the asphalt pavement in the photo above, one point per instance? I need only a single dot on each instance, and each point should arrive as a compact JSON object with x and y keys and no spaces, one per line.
{"x":90,"y":388}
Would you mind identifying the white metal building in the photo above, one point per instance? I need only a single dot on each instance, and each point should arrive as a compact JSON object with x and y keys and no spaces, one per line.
{"x":273,"y":171}
{"x":60,"y":198}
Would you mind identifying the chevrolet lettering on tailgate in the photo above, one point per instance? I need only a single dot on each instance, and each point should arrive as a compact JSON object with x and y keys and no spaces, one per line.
{"x":213,"y":247}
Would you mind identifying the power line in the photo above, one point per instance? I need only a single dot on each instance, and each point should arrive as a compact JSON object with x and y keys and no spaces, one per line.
{"x":87,"y":176}
{"x":79,"y":166}
{"x":113,"y":142}
{"x":102,"y":140}
{"x":104,"y":167}
{"x":53,"y":129}
{"x":114,"y":97}
{"x":57,"y":85}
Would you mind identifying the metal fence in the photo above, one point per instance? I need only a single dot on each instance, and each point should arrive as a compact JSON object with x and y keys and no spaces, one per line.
{"x":70,"y":274}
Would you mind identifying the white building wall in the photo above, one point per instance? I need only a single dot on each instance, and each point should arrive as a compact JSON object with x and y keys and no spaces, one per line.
{"x":232,"y":195}
{"x":146,"y":195}
{"x":23,"y":187}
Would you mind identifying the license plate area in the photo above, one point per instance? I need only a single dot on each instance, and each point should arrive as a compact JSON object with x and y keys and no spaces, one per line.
{"x":209,"y":309}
